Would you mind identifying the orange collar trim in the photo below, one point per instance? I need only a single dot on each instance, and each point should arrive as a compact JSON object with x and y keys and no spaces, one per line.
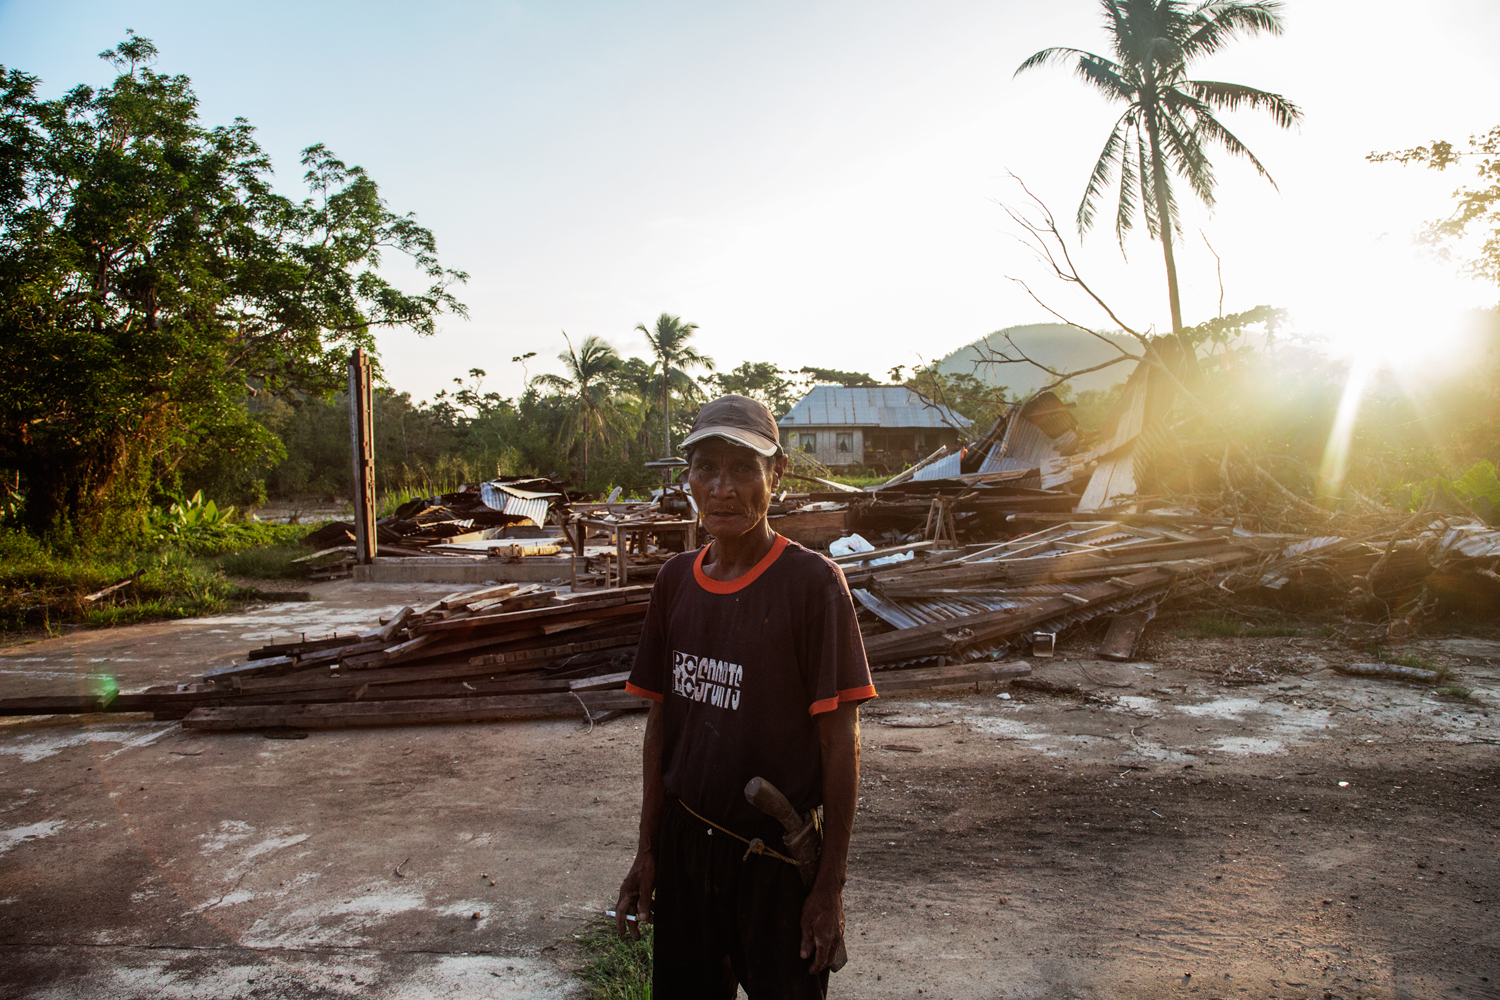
{"x":740,"y":582}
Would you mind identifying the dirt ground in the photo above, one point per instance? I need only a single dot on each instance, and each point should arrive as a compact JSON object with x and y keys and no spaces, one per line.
{"x":1226,"y":818}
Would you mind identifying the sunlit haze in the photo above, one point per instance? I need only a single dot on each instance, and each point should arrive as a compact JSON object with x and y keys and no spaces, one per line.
{"x":815,"y":184}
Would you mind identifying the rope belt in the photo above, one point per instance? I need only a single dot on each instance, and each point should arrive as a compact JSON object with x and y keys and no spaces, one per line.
{"x":756,"y":846}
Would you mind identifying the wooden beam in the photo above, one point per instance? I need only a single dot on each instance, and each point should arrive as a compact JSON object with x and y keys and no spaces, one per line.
{"x":406,"y":712}
{"x":959,"y":674}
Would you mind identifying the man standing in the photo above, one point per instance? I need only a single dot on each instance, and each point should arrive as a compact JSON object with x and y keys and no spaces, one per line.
{"x":753,"y":656}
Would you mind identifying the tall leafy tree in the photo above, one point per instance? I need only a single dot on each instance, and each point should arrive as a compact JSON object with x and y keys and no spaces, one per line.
{"x":674,"y":355}
{"x":596,"y":410}
{"x":150,"y":277}
{"x":760,"y":380}
{"x":1169,"y":120}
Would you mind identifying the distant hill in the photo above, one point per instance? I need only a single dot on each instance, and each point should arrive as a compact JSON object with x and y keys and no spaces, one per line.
{"x":1054,"y":344}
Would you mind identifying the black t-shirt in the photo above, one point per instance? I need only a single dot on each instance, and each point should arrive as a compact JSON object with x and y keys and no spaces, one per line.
{"x":742,"y":668}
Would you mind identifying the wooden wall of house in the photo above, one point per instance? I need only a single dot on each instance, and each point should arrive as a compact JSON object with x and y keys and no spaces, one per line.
{"x":826,"y":444}
{"x":894,"y":449}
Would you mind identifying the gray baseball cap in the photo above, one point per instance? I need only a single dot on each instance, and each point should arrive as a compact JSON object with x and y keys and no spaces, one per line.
{"x":739,"y":419}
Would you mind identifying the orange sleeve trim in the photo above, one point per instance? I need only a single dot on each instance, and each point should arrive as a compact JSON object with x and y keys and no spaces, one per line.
{"x":847,"y":694}
{"x":858,"y":694}
{"x":641,"y":692}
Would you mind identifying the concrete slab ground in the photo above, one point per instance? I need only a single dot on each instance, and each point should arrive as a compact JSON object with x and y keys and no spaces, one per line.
{"x":1228,"y":818}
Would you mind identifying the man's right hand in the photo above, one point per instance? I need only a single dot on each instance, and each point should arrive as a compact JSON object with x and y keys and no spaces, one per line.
{"x":635,"y":896}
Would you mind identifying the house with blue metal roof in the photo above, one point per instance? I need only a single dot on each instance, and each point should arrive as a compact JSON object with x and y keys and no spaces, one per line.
{"x":885,"y":427}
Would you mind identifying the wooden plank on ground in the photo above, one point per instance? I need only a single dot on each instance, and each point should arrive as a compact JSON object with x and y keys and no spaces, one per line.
{"x":461,"y":600}
{"x":406,"y":712}
{"x":63,"y":704}
{"x":621,"y":638}
{"x":1124,"y":632}
{"x":957,"y":675}
{"x":628,"y":601}
{"x":603,"y":682}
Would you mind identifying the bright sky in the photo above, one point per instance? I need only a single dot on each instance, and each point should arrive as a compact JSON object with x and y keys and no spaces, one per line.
{"x":812,"y":183}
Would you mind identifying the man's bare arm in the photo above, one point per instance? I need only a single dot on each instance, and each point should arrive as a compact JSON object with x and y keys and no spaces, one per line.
{"x":640,"y":883}
{"x":823,"y":913}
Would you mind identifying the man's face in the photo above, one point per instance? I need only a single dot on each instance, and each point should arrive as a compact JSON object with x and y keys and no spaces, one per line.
{"x":732,"y":485}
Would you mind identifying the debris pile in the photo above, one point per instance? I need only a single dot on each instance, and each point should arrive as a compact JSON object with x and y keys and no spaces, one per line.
{"x":505,"y":652}
{"x":502,"y":518}
{"x":980,"y":601}
{"x":633,"y":538}
{"x":979,"y":553}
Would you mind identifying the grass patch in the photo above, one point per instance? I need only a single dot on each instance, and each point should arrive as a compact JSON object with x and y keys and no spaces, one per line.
{"x":615,"y":968}
{"x":1455,"y":691}
{"x":1422,"y":663}
{"x":1273,"y":631}
{"x":1210,"y":626}
{"x":176,"y":576}
{"x":273,"y":562}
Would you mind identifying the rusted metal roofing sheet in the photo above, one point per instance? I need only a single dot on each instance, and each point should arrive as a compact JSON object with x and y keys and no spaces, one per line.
{"x":871,"y":406}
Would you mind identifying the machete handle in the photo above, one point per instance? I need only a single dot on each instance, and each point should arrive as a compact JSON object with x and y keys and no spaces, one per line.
{"x":764,"y":796}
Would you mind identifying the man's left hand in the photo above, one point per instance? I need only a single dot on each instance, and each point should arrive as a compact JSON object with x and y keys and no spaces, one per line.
{"x":822,"y":926}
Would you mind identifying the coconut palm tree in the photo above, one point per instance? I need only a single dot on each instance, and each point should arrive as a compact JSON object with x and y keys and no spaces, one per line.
{"x":596,"y":409}
{"x":669,"y":344}
{"x":1168,"y":119}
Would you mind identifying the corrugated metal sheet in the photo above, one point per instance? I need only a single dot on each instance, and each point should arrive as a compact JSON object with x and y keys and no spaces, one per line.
{"x":510,"y":500}
{"x":908,"y":613}
{"x":1050,"y":414}
{"x":1472,"y":540}
{"x":872,"y":406}
{"x":1029,"y":443}
{"x":994,"y":462}
{"x":949,"y":465}
{"x":1129,"y":413}
{"x":1113,"y":478}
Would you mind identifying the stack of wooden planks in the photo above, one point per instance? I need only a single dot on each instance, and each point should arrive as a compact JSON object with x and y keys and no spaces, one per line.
{"x":979,"y":600}
{"x":506,"y":652}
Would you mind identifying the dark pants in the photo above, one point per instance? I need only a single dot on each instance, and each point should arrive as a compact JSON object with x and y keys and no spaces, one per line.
{"x":723,"y":918}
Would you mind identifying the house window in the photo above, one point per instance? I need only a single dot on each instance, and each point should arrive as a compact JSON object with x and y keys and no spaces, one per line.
{"x":809,"y":442}
{"x":845,"y":443}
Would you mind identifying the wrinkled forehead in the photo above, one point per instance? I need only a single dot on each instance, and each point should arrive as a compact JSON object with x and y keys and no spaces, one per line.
{"x":723,"y":450}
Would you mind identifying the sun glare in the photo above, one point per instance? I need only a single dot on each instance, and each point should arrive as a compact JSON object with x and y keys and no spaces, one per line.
{"x":1392,"y":307}
{"x":1392,"y":311}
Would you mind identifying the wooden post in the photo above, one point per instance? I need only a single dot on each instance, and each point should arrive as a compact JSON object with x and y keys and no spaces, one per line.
{"x":362,"y":450}
{"x":622,"y":557}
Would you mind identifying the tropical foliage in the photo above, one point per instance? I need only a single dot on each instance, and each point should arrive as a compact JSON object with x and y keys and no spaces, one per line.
{"x":594,"y":410}
{"x":674,"y":355}
{"x":149,"y":276}
{"x":1169,"y":121}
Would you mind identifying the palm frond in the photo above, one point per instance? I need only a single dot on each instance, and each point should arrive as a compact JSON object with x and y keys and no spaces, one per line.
{"x":1221,"y":21}
{"x":1148,"y":189}
{"x":1214,"y":131}
{"x":1188,"y":159}
{"x":1100,"y":175}
{"x":1055,"y":54}
{"x":1130,"y":171}
{"x":1105,"y":77}
{"x":1233,"y":96}
{"x":550,"y":381}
